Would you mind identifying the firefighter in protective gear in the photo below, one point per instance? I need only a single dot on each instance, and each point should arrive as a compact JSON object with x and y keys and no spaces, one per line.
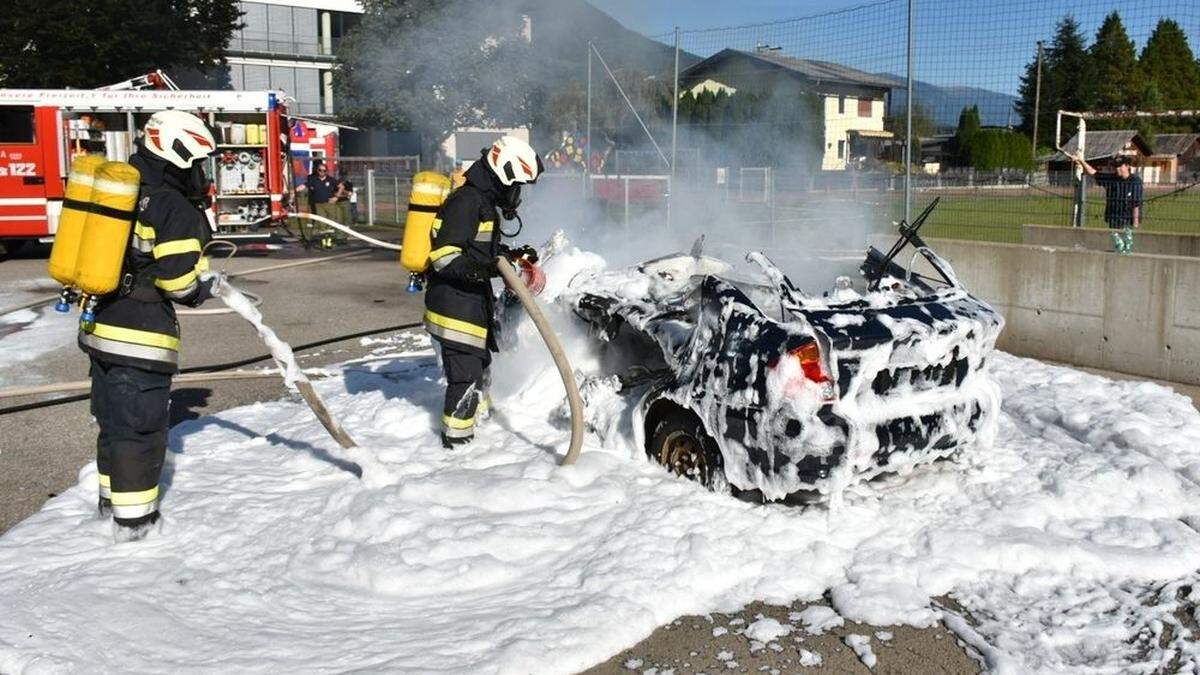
{"x":133,"y":342}
{"x":459,"y":302}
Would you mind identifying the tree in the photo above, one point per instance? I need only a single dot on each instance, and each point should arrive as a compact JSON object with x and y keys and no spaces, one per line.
{"x":989,"y":149}
{"x":1170,"y":67}
{"x":968,"y":127}
{"x":751,"y":129}
{"x":922,"y":123}
{"x":437,"y":67}
{"x":1067,"y":77}
{"x":1115,"y":76}
{"x":1066,"y":80}
{"x":64,"y":43}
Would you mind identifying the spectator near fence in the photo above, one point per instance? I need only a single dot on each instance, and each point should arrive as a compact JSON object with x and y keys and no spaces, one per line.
{"x":323,"y":201}
{"x":1122,"y":200}
{"x":345,"y":200}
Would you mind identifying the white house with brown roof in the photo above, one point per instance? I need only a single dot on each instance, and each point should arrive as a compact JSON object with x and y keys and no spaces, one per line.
{"x":854,"y":102}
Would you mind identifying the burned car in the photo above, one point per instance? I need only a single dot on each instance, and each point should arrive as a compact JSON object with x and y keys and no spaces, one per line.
{"x":745,"y":382}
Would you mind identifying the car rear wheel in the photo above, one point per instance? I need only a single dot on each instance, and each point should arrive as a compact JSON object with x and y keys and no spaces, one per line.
{"x":684,"y":448}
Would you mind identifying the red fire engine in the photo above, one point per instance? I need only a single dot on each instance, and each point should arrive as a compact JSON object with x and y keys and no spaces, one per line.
{"x":42,"y":130}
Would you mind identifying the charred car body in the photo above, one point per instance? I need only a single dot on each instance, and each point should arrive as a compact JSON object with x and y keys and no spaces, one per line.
{"x":778,"y":394}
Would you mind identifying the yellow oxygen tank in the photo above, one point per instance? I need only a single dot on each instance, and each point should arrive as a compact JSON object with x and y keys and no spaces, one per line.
{"x":65,"y":253}
{"x":106,"y":232}
{"x":429,"y":190}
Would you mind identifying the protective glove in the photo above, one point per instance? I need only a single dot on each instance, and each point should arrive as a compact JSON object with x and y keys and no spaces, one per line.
{"x":523,"y":252}
{"x":532,"y":275}
{"x":209,"y":287}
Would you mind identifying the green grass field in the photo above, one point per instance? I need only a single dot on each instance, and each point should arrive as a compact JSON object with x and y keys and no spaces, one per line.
{"x":998,"y":215}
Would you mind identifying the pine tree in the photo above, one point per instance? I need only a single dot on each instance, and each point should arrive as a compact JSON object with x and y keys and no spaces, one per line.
{"x":964,"y":137}
{"x":1066,"y":80}
{"x":1067,"y":74}
{"x":1170,"y":67}
{"x":1115,"y":78}
{"x":1027,"y":97}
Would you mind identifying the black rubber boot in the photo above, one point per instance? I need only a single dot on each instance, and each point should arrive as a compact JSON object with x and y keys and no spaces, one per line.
{"x":450,"y":443}
{"x":136,"y":529}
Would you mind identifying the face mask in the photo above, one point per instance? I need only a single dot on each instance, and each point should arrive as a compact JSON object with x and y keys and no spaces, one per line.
{"x":194,"y":181}
{"x":511,"y":199}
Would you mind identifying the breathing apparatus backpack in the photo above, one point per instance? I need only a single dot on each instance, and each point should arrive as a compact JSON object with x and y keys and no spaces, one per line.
{"x":429,"y":191}
{"x":93,"y":232}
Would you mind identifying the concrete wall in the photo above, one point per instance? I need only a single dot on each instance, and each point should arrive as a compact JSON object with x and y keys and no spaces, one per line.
{"x":1095,"y":239}
{"x":1137,"y":314}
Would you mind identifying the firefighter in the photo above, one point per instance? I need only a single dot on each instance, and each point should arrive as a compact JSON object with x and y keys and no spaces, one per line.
{"x":133,"y":342}
{"x":459,"y":300}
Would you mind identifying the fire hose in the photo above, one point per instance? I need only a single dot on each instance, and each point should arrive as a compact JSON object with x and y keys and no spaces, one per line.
{"x":518,"y":287}
{"x":511,"y":278}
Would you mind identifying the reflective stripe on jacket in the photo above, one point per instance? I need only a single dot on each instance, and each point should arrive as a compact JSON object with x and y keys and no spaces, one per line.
{"x":136,"y":326}
{"x":458,"y":304}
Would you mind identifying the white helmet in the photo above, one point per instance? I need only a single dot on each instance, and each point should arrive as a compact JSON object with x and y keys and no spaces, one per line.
{"x":513,"y":161}
{"x":178,"y":137}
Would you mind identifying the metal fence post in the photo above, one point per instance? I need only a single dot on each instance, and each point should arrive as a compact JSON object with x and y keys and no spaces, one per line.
{"x":908,"y":105}
{"x":396,"y":198}
{"x":626,"y":203}
{"x":587,"y":141}
{"x":674,"y":132}
{"x":771,"y":201}
{"x":371,"y":196}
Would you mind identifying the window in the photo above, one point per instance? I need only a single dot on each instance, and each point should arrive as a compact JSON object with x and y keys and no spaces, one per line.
{"x":841,"y":149}
{"x":279,"y":29}
{"x":257,"y":78}
{"x":308,"y":90}
{"x":305,"y":33}
{"x":864,"y":107}
{"x":253,"y":36}
{"x":841,"y":105}
{"x":16,"y":124}
{"x":284,"y":78}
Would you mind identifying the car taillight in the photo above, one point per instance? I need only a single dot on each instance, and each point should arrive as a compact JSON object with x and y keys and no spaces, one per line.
{"x":808,"y":356}
{"x":810,"y":362}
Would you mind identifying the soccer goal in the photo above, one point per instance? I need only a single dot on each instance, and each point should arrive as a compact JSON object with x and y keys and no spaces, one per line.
{"x":1168,"y":161}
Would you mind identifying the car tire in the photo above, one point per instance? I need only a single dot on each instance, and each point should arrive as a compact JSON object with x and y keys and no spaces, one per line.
{"x":681,"y":445}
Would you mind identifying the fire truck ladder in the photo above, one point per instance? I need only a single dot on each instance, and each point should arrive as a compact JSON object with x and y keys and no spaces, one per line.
{"x":155,"y":80}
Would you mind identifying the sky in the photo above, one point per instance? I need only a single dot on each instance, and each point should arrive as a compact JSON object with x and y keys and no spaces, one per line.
{"x":654,"y":17}
{"x":978,"y":43}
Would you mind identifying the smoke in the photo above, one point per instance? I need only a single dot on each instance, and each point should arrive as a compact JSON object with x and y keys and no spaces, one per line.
{"x":748,"y":181}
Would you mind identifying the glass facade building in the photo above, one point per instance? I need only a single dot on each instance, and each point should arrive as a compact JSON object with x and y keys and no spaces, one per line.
{"x":289,"y":46}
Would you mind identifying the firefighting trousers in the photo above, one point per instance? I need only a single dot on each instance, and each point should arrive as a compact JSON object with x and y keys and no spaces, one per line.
{"x":466,"y":391}
{"x":130,"y":405}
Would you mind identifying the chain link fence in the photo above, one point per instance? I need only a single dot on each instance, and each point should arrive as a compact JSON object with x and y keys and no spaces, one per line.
{"x":382,"y":186}
{"x":800,"y":121}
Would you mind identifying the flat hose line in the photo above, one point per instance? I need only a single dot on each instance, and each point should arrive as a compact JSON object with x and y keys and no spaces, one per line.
{"x":45,"y":300}
{"x":217,"y":367}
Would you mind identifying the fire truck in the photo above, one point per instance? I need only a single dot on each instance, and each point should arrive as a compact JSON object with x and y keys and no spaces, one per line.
{"x":42,"y":130}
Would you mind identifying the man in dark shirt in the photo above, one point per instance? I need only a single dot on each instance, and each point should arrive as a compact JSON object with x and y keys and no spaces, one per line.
{"x":1122,"y":201}
{"x":322,"y":200}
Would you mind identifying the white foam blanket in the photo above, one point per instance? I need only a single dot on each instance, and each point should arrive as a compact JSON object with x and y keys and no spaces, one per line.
{"x":1072,"y":542}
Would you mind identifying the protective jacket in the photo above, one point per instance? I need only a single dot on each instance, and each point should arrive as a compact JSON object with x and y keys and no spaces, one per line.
{"x":466,"y":241}
{"x":136,"y":326}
